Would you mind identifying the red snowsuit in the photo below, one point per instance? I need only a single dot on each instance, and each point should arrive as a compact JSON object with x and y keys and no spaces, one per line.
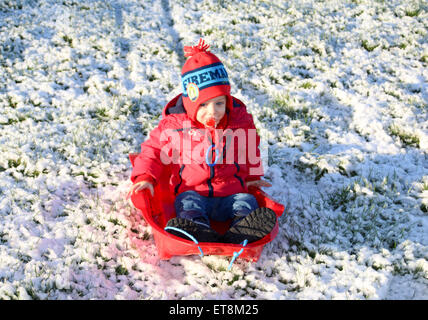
{"x":192,"y":151}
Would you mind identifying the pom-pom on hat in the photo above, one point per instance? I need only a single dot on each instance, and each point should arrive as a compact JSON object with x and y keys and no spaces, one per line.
{"x":203,"y":77}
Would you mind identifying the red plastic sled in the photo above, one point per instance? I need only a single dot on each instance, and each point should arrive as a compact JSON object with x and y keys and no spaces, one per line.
{"x":159,"y":209}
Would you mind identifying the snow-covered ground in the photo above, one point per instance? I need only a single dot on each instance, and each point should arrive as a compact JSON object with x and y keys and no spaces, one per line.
{"x":338,"y":90}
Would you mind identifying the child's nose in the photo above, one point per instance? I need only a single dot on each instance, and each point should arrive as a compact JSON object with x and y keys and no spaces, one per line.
{"x":211,"y":109}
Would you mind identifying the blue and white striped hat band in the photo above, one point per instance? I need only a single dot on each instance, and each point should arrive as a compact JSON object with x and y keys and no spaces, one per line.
{"x":207,"y":76}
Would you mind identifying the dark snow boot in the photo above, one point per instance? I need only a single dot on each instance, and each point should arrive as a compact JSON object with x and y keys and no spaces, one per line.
{"x":253,"y":227}
{"x":200,"y":232}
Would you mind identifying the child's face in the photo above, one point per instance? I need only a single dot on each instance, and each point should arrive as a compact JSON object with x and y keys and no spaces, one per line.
{"x":211,"y":109}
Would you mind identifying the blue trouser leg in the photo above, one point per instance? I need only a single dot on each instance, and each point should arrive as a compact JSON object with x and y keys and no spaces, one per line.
{"x":191,"y":205}
{"x":235,"y":207}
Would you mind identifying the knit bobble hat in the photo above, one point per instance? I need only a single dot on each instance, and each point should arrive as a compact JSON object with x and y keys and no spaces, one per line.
{"x":203,"y":77}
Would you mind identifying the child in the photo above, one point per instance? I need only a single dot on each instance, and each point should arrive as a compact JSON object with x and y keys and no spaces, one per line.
{"x":210,"y":170}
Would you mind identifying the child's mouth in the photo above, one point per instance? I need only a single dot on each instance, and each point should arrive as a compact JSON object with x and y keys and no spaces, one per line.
{"x":211,"y":123}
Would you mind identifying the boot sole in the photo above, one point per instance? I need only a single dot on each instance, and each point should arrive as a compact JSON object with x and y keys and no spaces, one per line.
{"x":253,"y":227}
{"x":199,"y":232}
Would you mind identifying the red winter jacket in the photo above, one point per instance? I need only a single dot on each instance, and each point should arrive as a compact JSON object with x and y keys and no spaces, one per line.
{"x":201,"y":159}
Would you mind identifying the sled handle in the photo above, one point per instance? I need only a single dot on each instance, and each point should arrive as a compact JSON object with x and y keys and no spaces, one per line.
{"x":188,"y":235}
{"x":237,"y":254}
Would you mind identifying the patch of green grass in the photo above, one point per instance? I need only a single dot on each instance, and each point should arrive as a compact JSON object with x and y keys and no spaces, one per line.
{"x":226,"y":47}
{"x":109,"y":89}
{"x":234,"y":279}
{"x":16,"y":119}
{"x":32,"y":293}
{"x":307,"y":85}
{"x":418,"y":269}
{"x":405,"y":270}
{"x":36,"y":173}
{"x":100,"y":113}
{"x":3,"y":238}
{"x":253,"y":19}
{"x":12,"y":103}
{"x":366,"y":45}
{"x":314,"y":169}
{"x":402,"y":45}
{"x":312,"y":254}
{"x":405,"y":137}
{"x":317,"y":51}
{"x":341,"y":197}
{"x":287,"y":45}
{"x":282,"y":105}
{"x":68,"y":40}
{"x":14,"y":164}
{"x":151,"y":77}
{"x":121,"y":271}
{"x":288,"y":57}
{"x":392,"y":94}
{"x":211,"y":266}
{"x":115,"y":221}
{"x":412,"y":12}
{"x":340,"y":268}
{"x":11,"y":163}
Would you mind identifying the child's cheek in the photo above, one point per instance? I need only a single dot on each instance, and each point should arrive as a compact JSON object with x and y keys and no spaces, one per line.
{"x":200,"y":115}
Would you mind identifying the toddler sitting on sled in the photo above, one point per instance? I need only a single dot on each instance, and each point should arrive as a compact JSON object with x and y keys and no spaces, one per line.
{"x":210,"y":141}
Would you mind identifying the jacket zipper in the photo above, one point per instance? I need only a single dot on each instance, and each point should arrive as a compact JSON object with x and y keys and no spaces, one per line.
{"x":210,"y":186}
{"x":181,"y":179}
{"x":236,"y":174}
{"x":212,"y":173}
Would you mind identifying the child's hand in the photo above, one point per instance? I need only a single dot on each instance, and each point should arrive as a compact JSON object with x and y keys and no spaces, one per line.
{"x":141,"y":186}
{"x":258,"y":183}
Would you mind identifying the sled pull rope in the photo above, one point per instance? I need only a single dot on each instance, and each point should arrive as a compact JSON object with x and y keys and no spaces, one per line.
{"x":188,"y":235}
{"x":237,"y":254}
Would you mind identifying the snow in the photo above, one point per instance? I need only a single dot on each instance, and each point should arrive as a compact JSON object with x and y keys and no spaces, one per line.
{"x":338,"y":91}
